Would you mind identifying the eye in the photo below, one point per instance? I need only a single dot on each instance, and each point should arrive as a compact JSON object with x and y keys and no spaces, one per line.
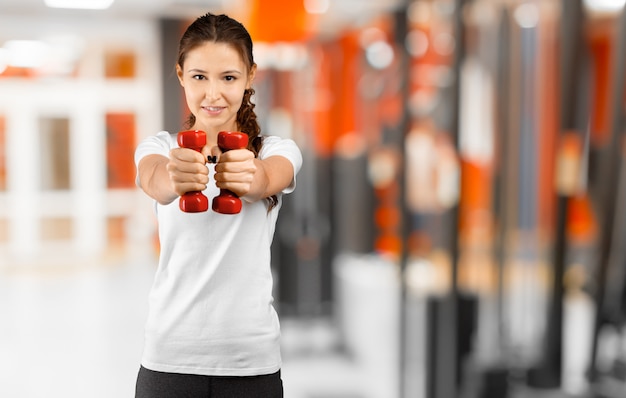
{"x":198,"y":77}
{"x":230,"y":78}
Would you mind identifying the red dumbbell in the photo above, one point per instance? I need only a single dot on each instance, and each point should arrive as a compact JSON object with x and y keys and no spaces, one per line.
{"x":195,"y":201}
{"x":227,"y":202}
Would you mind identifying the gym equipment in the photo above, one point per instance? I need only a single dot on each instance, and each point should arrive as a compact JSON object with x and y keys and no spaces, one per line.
{"x":195,"y":201}
{"x":227,"y":202}
{"x":612,"y":174}
{"x":547,"y":374}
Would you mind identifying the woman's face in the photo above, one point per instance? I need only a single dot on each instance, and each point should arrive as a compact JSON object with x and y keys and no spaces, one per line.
{"x":214,"y":77}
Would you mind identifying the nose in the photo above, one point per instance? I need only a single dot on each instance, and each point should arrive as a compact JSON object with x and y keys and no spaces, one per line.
{"x":212,"y":90}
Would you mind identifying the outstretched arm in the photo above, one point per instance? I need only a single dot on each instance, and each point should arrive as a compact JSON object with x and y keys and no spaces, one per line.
{"x":250,"y":178}
{"x":166,"y":179}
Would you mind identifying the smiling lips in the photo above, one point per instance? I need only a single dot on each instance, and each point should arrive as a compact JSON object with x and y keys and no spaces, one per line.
{"x":213,"y":109}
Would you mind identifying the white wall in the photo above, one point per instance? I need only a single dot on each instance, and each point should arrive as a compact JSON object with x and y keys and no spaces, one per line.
{"x":85,"y":101}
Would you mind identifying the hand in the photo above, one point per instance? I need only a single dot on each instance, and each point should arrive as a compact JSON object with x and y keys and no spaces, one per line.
{"x":187,"y":171}
{"x":235,"y":170}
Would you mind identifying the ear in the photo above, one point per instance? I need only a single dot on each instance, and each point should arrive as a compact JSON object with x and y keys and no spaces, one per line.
{"x":251,"y":76}
{"x":179,"y":73}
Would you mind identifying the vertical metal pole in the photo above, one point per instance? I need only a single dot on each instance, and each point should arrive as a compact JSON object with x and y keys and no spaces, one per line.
{"x":611,"y":174}
{"x":444,"y":336}
{"x":448,"y":371}
{"x":448,"y":384}
{"x":401,"y":31}
{"x":548,"y":373}
{"x":455,"y":107}
{"x":501,"y":200}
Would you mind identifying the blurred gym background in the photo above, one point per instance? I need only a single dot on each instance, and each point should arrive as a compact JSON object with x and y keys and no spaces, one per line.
{"x":458,"y":227}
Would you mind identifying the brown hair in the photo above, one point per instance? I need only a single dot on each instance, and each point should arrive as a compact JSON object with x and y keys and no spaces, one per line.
{"x":223,"y":29}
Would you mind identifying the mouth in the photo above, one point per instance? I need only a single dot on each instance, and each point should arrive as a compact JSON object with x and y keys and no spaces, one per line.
{"x":213,"y":109}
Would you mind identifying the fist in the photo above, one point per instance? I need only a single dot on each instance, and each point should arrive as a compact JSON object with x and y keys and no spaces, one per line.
{"x":235,"y":170}
{"x":187,"y":171}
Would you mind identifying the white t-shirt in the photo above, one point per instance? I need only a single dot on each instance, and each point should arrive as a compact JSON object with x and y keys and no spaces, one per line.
{"x":210,"y":309}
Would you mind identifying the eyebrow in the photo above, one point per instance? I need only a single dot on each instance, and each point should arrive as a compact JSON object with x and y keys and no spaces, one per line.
{"x":228,"y":72}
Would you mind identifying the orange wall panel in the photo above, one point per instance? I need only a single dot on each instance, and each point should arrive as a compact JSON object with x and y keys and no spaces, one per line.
{"x":120,"y":150}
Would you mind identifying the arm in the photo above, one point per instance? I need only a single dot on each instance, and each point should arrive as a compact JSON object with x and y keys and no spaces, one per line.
{"x":272,"y":176}
{"x":166,"y":179}
{"x":250,"y":178}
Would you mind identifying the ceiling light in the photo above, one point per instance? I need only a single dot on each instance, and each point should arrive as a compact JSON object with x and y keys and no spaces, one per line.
{"x":80,"y":4}
{"x":26,"y":53}
{"x":605,"y":5}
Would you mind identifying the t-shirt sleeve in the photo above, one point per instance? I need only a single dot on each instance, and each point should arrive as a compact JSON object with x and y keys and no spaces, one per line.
{"x":159,"y":144}
{"x":276,"y":146}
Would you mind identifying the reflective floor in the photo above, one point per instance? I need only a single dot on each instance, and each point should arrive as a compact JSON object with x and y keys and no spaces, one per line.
{"x":76,"y":331}
{"x":72,"y":333}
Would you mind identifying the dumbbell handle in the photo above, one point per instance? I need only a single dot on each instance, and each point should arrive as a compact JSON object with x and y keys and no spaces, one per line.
{"x":194,"y":201}
{"x":227,"y":202}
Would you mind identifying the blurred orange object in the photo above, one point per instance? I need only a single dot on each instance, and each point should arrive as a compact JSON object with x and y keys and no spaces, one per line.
{"x":581,"y":220}
{"x":278,"y":20}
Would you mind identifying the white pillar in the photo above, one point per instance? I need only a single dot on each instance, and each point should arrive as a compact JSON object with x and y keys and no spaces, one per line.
{"x":88,"y":149}
{"x":23,"y":165}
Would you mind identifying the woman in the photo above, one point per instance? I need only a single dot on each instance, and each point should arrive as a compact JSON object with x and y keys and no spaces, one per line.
{"x":211,"y":329}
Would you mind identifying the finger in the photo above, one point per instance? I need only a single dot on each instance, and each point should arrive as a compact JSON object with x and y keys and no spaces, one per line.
{"x":233,"y":178}
{"x":237,"y":155}
{"x":238,"y":188}
{"x":183,"y":188}
{"x":179,"y":176}
{"x":187,"y":155}
{"x":187,"y":182}
{"x":177,"y":166}
{"x":187,"y":160}
{"x":240,"y":167}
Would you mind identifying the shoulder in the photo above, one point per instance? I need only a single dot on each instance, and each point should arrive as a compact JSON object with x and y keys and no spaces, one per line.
{"x":277,"y":146}
{"x":158,"y":144}
{"x":164,"y":138}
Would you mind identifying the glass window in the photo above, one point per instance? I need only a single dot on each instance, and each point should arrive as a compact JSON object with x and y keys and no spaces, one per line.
{"x":56,"y":229}
{"x":54,"y":153}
